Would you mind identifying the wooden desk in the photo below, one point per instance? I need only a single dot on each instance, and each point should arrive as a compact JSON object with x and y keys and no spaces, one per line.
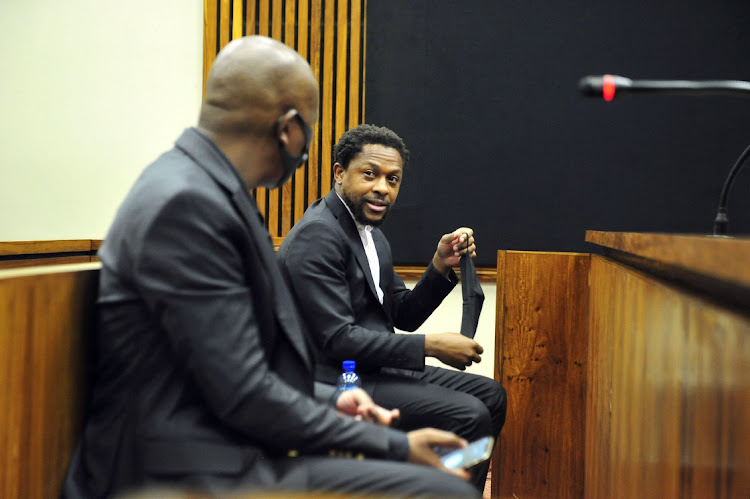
{"x":628,"y":373}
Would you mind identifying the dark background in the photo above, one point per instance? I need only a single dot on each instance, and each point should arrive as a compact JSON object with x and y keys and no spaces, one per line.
{"x":484,"y":93}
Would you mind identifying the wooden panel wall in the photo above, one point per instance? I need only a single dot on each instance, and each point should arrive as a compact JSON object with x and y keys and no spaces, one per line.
{"x":330,"y":34}
{"x":45,"y":318}
{"x":668,"y":402}
{"x":540,"y":358}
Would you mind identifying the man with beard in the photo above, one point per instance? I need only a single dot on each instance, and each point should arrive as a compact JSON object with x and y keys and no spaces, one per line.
{"x":339,"y":266}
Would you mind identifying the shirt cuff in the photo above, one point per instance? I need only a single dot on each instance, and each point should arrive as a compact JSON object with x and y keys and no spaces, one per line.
{"x":398,"y":445}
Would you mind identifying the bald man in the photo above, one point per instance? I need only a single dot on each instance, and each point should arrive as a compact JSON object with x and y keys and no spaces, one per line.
{"x":203,"y":379}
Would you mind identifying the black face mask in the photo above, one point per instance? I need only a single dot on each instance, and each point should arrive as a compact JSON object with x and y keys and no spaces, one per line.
{"x":291,"y":162}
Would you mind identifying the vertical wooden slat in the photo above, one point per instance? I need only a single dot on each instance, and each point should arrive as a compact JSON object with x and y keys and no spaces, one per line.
{"x":237,"y":18}
{"x":224,"y":23}
{"x":287,"y":194}
{"x":251,"y":29}
{"x":301,"y":174}
{"x":354,"y":63}
{"x":313,"y":172}
{"x":342,"y":37}
{"x":263,"y":18}
{"x":326,"y":121}
{"x":250,"y":17}
{"x":363,"y":64}
{"x":272,"y":217}
{"x":209,"y":38}
{"x":264,"y":14}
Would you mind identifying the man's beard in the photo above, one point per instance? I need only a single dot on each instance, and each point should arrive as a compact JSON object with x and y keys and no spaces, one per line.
{"x":358,"y":210}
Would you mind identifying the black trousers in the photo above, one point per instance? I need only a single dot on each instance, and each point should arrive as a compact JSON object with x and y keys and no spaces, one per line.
{"x":343,"y":477}
{"x":469,"y":405}
{"x":388,"y":478}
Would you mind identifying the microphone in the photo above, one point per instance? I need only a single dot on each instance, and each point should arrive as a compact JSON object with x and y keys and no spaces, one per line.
{"x":610,"y":86}
{"x":607,"y":86}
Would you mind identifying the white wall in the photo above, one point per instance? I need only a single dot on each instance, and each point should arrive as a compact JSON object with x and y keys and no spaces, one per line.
{"x":447,"y":319}
{"x":91,"y":91}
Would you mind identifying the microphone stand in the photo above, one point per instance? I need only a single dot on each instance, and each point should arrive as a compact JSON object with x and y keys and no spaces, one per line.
{"x":721,"y":222}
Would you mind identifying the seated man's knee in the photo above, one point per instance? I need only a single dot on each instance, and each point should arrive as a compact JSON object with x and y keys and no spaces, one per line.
{"x":481,"y":418}
{"x":496,"y":401}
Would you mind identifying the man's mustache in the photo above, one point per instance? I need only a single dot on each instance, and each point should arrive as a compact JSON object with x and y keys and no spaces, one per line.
{"x":381,"y":202}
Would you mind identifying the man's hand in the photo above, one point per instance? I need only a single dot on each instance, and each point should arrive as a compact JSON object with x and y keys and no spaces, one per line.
{"x":422,"y":442}
{"x":451,"y":247}
{"x":358,"y":403}
{"x":453,"y":349}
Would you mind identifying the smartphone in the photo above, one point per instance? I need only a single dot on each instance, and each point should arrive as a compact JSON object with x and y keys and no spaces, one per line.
{"x":474,"y":453}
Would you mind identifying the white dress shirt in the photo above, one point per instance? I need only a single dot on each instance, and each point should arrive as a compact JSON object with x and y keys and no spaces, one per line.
{"x":365,"y":235}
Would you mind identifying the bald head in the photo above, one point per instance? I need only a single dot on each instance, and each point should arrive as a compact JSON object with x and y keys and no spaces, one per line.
{"x":253,"y":81}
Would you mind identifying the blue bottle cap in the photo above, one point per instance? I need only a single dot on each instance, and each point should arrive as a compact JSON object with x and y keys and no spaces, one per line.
{"x":349,"y":365}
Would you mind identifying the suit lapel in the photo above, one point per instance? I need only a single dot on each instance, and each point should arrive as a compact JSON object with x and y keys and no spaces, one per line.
{"x":211,"y":159}
{"x":386,"y":268}
{"x":283,"y":304}
{"x":355,"y":242}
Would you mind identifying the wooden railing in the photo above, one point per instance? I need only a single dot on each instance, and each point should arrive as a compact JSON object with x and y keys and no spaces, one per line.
{"x":330,"y":34}
{"x":14,"y":254}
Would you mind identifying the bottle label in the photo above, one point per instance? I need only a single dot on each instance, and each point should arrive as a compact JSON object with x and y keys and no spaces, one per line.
{"x":348,"y":380}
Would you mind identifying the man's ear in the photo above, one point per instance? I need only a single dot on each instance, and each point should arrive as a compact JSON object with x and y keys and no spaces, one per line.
{"x":283,"y":126}
{"x":338,"y":173}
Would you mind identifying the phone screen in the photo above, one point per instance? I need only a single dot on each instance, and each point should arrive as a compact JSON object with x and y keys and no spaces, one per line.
{"x":472,"y":454}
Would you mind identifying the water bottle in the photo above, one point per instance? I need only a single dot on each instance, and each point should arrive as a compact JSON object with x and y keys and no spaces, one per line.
{"x":348,"y":379}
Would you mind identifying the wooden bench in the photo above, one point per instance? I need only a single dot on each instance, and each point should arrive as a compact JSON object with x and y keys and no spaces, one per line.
{"x":46,"y":322}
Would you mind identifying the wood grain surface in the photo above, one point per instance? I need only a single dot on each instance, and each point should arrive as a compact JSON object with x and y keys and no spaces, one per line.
{"x":45,"y":321}
{"x":14,"y":254}
{"x":724,"y":258}
{"x":8,"y":248}
{"x":668,"y":402}
{"x":541,"y":348}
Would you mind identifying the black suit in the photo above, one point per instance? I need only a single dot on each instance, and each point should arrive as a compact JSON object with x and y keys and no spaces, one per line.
{"x":204,"y":378}
{"x":325,"y":264}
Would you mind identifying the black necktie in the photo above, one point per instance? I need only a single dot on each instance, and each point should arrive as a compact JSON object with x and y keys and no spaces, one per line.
{"x":472,"y":294}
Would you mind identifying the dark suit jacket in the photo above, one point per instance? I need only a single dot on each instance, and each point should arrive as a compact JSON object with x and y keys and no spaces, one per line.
{"x":202,"y":362}
{"x":324,"y":263}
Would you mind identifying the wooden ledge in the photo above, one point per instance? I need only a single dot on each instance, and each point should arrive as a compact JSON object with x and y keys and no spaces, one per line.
{"x":13,"y":248}
{"x":717,"y":257}
{"x":48,"y":269}
{"x":414,"y":272}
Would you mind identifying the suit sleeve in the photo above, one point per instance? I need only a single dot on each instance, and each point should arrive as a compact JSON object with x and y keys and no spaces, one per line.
{"x":194,"y":279}
{"x":318,"y":263}
{"x":410,"y":308}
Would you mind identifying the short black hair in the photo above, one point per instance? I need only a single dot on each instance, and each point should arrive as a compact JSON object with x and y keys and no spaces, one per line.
{"x":353,"y":140}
